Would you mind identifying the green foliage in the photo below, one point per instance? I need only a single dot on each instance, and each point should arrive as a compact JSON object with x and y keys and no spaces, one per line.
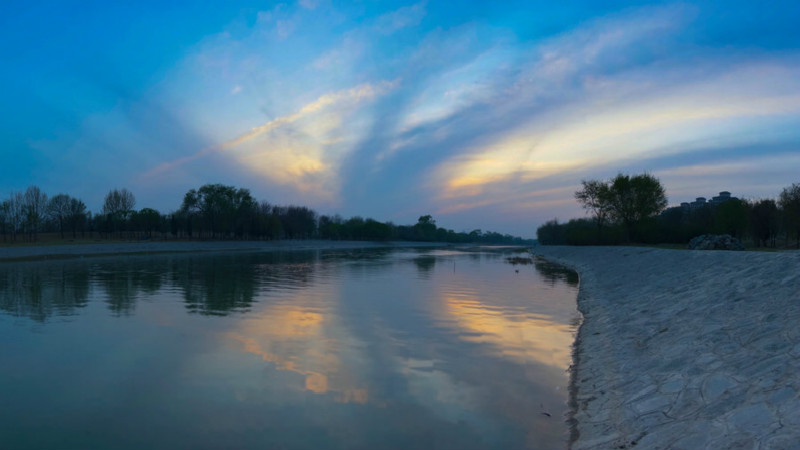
{"x":626,"y":200}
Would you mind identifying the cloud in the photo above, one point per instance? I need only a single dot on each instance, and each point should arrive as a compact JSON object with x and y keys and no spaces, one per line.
{"x":351,"y":96}
{"x":298,"y":149}
{"x":308,"y":4}
{"x":599,"y":131}
{"x":575,"y":105}
{"x":488,"y":111}
{"x":407,"y":16}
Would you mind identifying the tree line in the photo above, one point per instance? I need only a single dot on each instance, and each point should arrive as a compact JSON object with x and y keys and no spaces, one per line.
{"x":213,"y":211}
{"x":633,"y":209}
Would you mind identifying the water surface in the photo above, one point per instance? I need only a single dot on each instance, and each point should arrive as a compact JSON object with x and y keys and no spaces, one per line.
{"x":328,"y":349}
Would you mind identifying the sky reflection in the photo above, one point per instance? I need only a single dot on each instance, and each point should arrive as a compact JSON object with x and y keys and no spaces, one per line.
{"x":434,"y":349}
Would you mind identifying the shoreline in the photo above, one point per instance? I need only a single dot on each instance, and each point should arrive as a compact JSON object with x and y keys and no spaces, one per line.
{"x":684,"y":349}
{"x":62,"y":251}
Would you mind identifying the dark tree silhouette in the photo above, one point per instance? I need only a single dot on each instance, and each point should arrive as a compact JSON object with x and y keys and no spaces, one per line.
{"x":764,"y":222}
{"x":58,"y":210}
{"x":35,"y":206}
{"x":222,"y":210}
{"x":625,"y":199}
{"x":789,"y":202}
{"x":595,"y":197}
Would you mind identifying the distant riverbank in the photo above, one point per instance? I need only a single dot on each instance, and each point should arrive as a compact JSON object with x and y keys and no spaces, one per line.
{"x":122,"y":248}
{"x":685,"y":349}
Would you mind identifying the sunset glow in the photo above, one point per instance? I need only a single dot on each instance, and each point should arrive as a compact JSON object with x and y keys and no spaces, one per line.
{"x":396,"y":110}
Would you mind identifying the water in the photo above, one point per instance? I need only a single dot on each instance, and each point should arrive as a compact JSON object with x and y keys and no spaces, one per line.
{"x":347,"y":349}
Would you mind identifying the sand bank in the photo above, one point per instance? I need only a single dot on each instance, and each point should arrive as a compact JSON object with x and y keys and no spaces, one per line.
{"x":121,"y":248}
{"x":685,"y":349}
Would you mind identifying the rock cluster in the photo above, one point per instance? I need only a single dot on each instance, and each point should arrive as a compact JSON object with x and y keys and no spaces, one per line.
{"x":715,"y":242}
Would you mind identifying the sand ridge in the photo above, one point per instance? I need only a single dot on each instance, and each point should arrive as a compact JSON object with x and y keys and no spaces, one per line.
{"x":685,"y":349}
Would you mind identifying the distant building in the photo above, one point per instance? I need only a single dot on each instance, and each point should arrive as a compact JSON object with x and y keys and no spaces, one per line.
{"x":723,"y":197}
{"x":700,"y":202}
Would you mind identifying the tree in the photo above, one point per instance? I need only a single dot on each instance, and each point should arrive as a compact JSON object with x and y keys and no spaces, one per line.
{"x":4,"y":218}
{"x":730,"y":217}
{"x":119,"y":202}
{"x":632,"y":199}
{"x":147,"y":220}
{"x":77,"y":215}
{"x":625,"y":199}
{"x":789,"y":201}
{"x":58,"y":210}
{"x":118,"y":207}
{"x":15,"y":213}
{"x":35,"y":204}
{"x":425,"y":228}
{"x":224,"y":209}
{"x":764,"y":222}
{"x":595,"y":196}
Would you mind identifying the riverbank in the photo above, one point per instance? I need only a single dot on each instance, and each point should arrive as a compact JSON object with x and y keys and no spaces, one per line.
{"x":122,"y":248}
{"x":685,"y":349}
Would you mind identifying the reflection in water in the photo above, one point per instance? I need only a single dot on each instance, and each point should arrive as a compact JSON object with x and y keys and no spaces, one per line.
{"x":294,"y":337}
{"x":38,"y":291}
{"x":519,"y":335}
{"x":554,"y":273}
{"x":216,"y":285}
{"x":425,"y":264}
{"x":357,"y":349}
{"x":124,"y":282}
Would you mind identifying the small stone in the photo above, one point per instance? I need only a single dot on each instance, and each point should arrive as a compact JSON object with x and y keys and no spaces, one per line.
{"x":673,"y":386}
{"x":781,"y":396}
{"x":752,"y":419}
{"x":715,"y":386}
{"x":652,"y":403}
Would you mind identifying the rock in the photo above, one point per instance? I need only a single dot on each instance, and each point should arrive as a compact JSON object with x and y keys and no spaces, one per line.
{"x":715,"y":242}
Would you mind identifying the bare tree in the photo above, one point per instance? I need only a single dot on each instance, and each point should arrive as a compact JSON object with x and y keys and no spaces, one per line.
{"x":119,"y":202}
{"x":35,"y":202}
{"x":15,"y":213}
{"x":58,"y":210}
{"x":77,"y":215}
{"x":118,"y":207}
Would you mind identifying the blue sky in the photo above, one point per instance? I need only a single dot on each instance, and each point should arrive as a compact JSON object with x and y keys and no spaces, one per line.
{"x":484,"y":114}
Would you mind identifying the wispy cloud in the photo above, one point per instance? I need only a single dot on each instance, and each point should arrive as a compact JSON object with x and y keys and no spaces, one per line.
{"x":294,"y":157}
{"x":496,"y":120}
{"x":407,"y":16}
{"x":633,"y":113}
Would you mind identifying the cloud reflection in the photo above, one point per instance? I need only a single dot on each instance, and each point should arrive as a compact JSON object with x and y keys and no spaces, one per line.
{"x":520,"y":336}
{"x":298,"y":339}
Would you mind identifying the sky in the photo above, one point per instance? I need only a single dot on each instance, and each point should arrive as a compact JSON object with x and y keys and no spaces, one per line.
{"x":486,"y":115}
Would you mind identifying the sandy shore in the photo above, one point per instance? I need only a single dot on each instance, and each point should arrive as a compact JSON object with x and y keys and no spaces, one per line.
{"x":120,"y":248}
{"x":685,"y":349}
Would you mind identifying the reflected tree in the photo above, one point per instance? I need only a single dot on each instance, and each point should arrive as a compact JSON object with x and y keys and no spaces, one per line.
{"x":215,"y":285}
{"x":554,"y":273}
{"x":39,"y":291}
{"x":425,"y":265}
{"x":125,"y":281}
